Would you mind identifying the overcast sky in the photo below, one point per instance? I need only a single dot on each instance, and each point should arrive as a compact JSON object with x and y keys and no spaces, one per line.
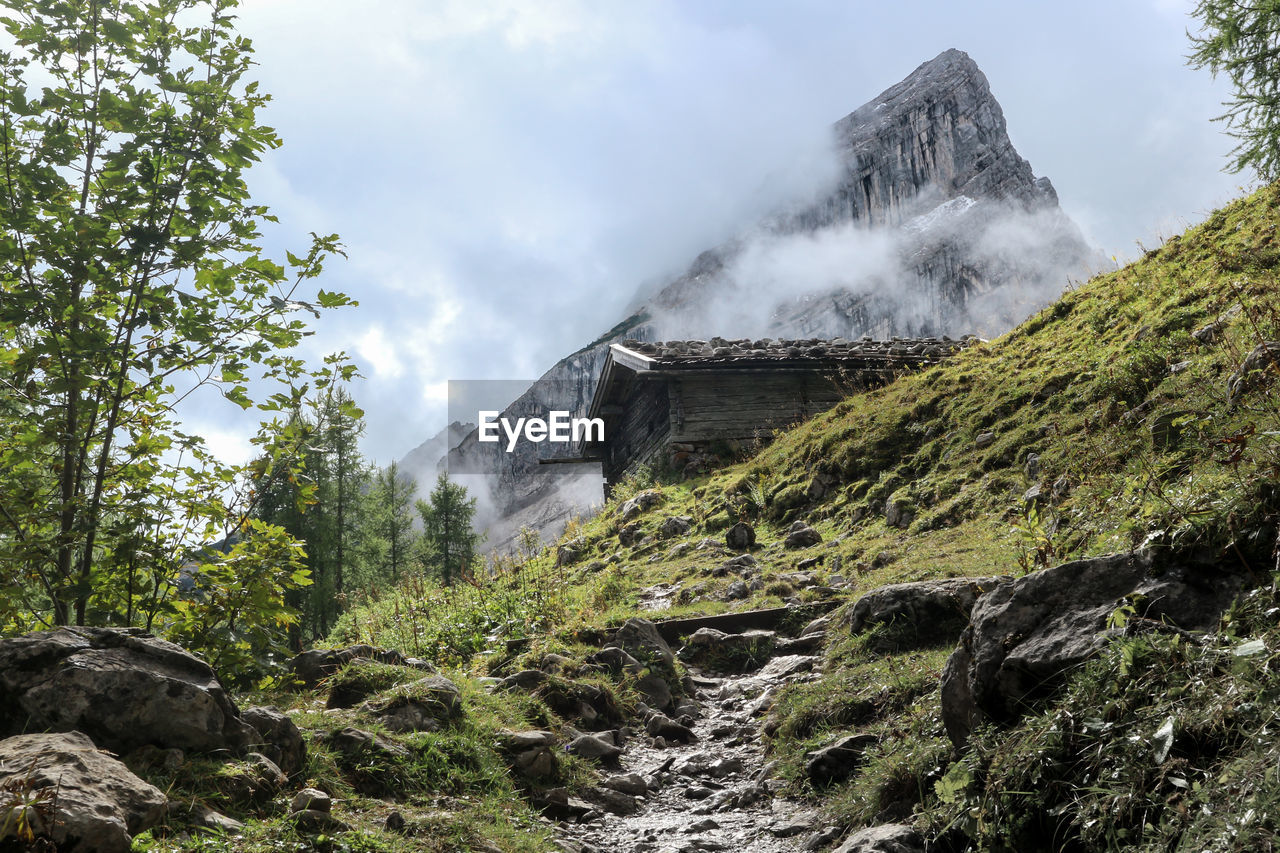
{"x":506,"y":175}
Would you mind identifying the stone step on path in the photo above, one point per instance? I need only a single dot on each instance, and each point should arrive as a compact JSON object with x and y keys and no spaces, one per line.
{"x":715,"y":791}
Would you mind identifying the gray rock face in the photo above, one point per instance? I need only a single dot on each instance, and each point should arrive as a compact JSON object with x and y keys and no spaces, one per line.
{"x":122,"y":687}
{"x":1025,"y":633}
{"x":100,"y":804}
{"x":978,"y":239}
{"x":923,"y":612}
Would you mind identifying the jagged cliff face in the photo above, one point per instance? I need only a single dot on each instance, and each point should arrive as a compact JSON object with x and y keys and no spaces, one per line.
{"x":935,"y":226}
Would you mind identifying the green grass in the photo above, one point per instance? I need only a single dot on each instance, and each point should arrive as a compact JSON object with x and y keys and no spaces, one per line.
{"x":1079,"y":386}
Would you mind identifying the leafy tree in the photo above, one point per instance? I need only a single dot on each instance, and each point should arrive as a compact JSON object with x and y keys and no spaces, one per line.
{"x":1242,"y":39}
{"x":448,"y":541}
{"x":131,"y":278}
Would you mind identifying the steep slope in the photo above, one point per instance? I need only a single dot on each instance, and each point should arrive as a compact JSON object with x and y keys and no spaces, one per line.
{"x":935,"y":225}
{"x":1139,"y":410}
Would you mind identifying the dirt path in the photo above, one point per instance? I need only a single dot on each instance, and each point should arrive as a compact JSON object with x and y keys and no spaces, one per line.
{"x":715,"y":792}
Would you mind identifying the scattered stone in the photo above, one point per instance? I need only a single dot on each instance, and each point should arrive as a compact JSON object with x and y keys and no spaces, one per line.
{"x":255,"y":779}
{"x":793,"y":826}
{"x":629,"y":534}
{"x":614,"y":802}
{"x":315,"y":665}
{"x":640,"y":638}
{"x":640,"y":503}
{"x":395,"y":822}
{"x":836,"y":761}
{"x":1166,"y":429}
{"x":1024,"y":634}
{"x":312,"y":822}
{"x":1031,"y":467}
{"x":425,"y":705}
{"x":203,"y":817}
{"x":120,"y":686}
{"x":736,"y":591}
{"x":660,"y":725}
{"x":802,"y":536}
{"x":890,"y":838}
{"x":656,"y":692}
{"x":676,"y":525}
{"x":593,"y":746}
{"x":984,"y":439}
{"x":729,"y":652}
{"x":570,"y":552}
{"x":525,"y":679}
{"x":899,"y":512}
{"x":99,"y":803}
{"x":702,"y":826}
{"x":628,"y":783}
{"x":278,"y":736}
{"x":811,"y":562}
{"x":615,"y":660}
{"x":741,"y":537}
{"x":1262,"y":362}
{"x":311,"y":798}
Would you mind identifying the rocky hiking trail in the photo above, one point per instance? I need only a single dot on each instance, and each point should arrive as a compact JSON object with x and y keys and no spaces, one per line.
{"x":702,"y":781}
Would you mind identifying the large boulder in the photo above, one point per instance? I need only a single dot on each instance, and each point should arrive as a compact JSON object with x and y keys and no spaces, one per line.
{"x":89,"y":802}
{"x":718,"y":650}
{"x":121,"y":686}
{"x":923,"y":612}
{"x":1026,"y":633}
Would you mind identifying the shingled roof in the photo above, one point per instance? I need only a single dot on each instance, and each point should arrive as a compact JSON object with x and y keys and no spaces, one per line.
{"x":719,"y":353}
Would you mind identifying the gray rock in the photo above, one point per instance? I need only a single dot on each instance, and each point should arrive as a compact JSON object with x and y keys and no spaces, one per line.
{"x":254,"y":779}
{"x":278,"y":738}
{"x":729,"y":652}
{"x":1024,"y":634}
{"x":121,"y":687}
{"x":736,"y":591}
{"x":353,"y":742}
{"x":836,"y":761}
{"x":640,"y":638}
{"x":890,"y":838}
{"x":899,"y":513}
{"x":660,"y":725}
{"x":984,"y":439}
{"x":314,"y":665}
{"x":1261,"y":364}
{"x":95,"y":804}
{"x":640,"y":503}
{"x":593,"y":746}
{"x":676,"y":525}
{"x":656,"y":691}
{"x":525,"y":679}
{"x":923,"y":612}
{"x":802,"y":537}
{"x":615,"y":660}
{"x":568,"y":553}
{"x":202,"y":817}
{"x":740,"y":537}
{"x":427,"y":704}
{"x":314,"y":822}
{"x":1031,"y":466}
{"x":311,"y":798}
{"x":528,"y":739}
{"x":628,"y":783}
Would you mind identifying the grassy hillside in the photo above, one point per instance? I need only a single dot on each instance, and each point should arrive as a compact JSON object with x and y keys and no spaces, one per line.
{"x":1107,"y":421}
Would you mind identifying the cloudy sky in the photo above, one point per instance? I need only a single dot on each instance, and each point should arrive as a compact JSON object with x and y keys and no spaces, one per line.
{"x":506,"y":174}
